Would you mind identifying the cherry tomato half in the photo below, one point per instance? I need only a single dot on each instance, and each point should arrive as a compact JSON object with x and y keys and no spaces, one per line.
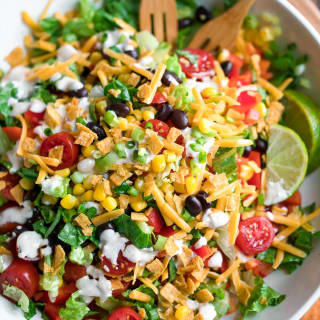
{"x":70,"y":150}
{"x":124,"y":265}
{"x":34,"y":118}
{"x":294,"y":200}
{"x":255,"y":235}
{"x":155,"y":220}
{"x":259,"y":268}
{"x":159,"y":98}
{"x":167,"y":231}
{"x":124,"y":313}
{"x":74,"y":272}
{"x":256,"y":178}
{"x":23,"y":275}
{"x":158,"y":126}
{"x":11,"y":180}
{"x":14,"y":133}
{"x":64,"y":294}
{"x":202,"y":252}
{"x":204,"y":67}
{"x":52,"y":311}
{"x":247,"y":100}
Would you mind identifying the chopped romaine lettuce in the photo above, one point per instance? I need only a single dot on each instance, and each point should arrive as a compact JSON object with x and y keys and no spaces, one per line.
{"x":17,"y":295}
{"x":50,"y":282}
{"x":147,"y":40}
{"x":80,"y":256}
{"x":183,"y":95}
{"x":72,"y":235}
{"x":75,"y":309}
{"x":173,"y":65}
{"x":5,"y":143}
{"x":6,"y":92}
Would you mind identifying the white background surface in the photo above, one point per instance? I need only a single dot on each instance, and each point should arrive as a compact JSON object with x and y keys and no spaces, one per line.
{"x":302,"y":288}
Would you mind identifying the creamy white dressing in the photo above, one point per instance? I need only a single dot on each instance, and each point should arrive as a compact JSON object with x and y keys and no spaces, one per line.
{"x":66,"y":84}
{"x":119,"y":39}
{"x":49,"y":185}
{"x":5,"y":261}
{"x":18,"y":215}
{"x":213,"y":218}
{"x":66,"y":52}
{"x":29,"y":244}
{"x":37,"y":106}
{"x":98,"y":287}
{"x":91,"y":204}
{"x":111,"y":243}
{"x":180,"y":245}
{"x":96,"y":92}
{"x":86,"y":165}
{"x":15,"y":160}
{"x":207,"y":310}
{"x":216,"y":260}
{"x":142,"y":256}
{"x":200,"y":243}
{"x":145,"y":63}
{"x":191,"y":83}
{"x":275,"y":192}
{"x":18,"y":107}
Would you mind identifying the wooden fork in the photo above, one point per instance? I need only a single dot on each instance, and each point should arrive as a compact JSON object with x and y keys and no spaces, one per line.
{"x":160,"y":18}
{"x":223,"y":30}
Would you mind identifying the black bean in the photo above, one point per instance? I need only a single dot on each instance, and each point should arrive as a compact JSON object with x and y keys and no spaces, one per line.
{"x":32,"y":194}
{"x":193,"y":205}
{"x":121,"y":109}
{"x":81,"y":93}
{"x":202,"y":196}
{"x":226,"y":67}
{"x":103,"y":227}
{"x":202,"y":14}
{"x":97,"y":129}
{"x":263,"y":164}
{"x":184,"y":23}
{"x":247,"y":151}
{"x":261,"y":145}
{"x":169,"y":77}
{"x":2,"y":168}
{"x":180,"y":119}
{"x":164,"y":112}
{"x":132,"y":53}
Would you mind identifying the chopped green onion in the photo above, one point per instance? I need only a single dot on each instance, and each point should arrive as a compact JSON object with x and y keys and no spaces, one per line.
{"x":139,"y":156}
{"x":120,"y":150}
{"x":130,"y":144}
{"x":202,"y":157}
{"x":81,"y":120}
{"x":48,"y":132}
{"x":212,"y":133}
{"x":161,"y":241}
{"x":149,"y":125}
{"x":195,"y":147}
{"x":251,"y":22}
{"x":111,"y":118}
{"x":144,"y":227}
{"x":261,"y":199}
{"x":105,"y":163}
{"x":201,"y":140}
{"x":196,"y":133}
{"x":77,"y":177}
{"x":194,"y":167}
{"x":137,"y":134}
{"x":229,"y":119}
{"x":133,"y":191}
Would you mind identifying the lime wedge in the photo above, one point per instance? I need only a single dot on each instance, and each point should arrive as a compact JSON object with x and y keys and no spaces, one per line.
{"x":287,"y":162}
{"x":302,"y":115}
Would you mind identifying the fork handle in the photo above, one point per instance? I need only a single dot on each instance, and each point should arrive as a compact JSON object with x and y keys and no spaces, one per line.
{"x":309,"y":10}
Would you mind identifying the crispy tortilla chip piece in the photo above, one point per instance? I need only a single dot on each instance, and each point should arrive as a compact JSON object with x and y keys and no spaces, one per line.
{"x":155,"y":266}
{"x":105,"y":145}
{"x":172,"y":294}
{"x":84,"y":223}
{"x":84,"y":139}
{"x":58,"y":259}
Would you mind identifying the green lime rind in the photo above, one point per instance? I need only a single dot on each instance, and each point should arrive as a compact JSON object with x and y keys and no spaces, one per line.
{"x":287,"y":163}
{"x":302,"y":114}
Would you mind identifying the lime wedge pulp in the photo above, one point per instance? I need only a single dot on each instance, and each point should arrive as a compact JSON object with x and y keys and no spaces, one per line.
{"x":287,"y":162}
{"x":302,"y":115}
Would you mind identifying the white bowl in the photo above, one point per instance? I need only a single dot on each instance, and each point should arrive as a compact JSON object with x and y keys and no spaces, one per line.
{"x":303,"y":287}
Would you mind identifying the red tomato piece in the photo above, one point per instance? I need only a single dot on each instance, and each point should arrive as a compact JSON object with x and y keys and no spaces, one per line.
{"x":159,"y":98}
{"x":247,"y":100}
{"x":11,"y":180}
{"x":52,"y":311}
{"x":155,"y":220}
{"x":204,"y":67}
{"x":158,"y":126}
{"x":259,"y":268}
{"x":245,"y":78}
{"x":70,"y":150}
{"x":124,"y":313}
{"x":252,"y":116}
{"x":294,"y":200}
{"x":256,"y":178}
{"x":14,"y":133}
{"x":236,"y":60}
{"x":202,"y":252}
{"x":22,"y":275}
{"x":181,"y":142}
{"x":74,"y":272}
{"x":64,"y":294}
{"x":124,"y":265}
{"x":9,"y":226}
{"x":167,"y":231}
{"x":255,"y":235}
{"x":34,"y":118}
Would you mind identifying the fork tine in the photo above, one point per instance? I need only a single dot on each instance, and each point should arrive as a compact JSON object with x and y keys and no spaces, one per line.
{"x":145,"y":12}
{"x":158,"y":22}
{"x":171,"y":21}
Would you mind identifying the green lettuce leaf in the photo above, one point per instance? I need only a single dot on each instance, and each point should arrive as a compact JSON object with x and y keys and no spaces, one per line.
{"x":130,"y":229}
{"x":5,"y":143}
{"x":103,"y":21}
{"x":76,"y":308}
{"x":52,"y":26}
{"x":72,"y":235}
{"x":126,"y":92}
{"x":174,"y":66}
{"x":77,"y":29}
{"x":55,"y":186}
{"x":87,"y":10}
{"x":183,"y":95}
{"x":44,"y":95}
{"x":50,"y":282}
{"x":80,"y":256}
{"x":225,"y":162}
{"x":261,"y":297}
{"x":7,"y":92}
{"x":17,"y":295}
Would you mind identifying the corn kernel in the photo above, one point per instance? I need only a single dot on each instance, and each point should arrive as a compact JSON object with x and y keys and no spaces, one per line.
{"x":246,"y":172}
{"x":266,"y":34}
{"x":87,"y":196}
{"x":262,"y":109}
{"x":95,"y":57}
{"x":87,"y":151}
{"x":123,"y":124}
{"x":99,"y":193}
{"x":101,"y":107}
{"x":49,"y":200}
{"x":167,"y":187}
{"x":88,"y":86}
{"x":147,"y":115}
{"x":223,"y":55}
{"x":138,"y":114}
{"x":159,"y":163}
{"x":179,"y":187}
{"x":26,"y":184}
{"x":191,"y":184}
{"x":69,"y":202}
{"x":63,"y":173}
{"x":78,"y":189}
{"x":139,"y":184}
{"x":182,"y":312}
{"x":137,"y":203}
{"x":131,"y":119}
{"x":205,"y":126}
{"x":170,"y":156}
{"x":109,"y":203}
{"x":209,"y":93}
{"x":87,"y":182}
